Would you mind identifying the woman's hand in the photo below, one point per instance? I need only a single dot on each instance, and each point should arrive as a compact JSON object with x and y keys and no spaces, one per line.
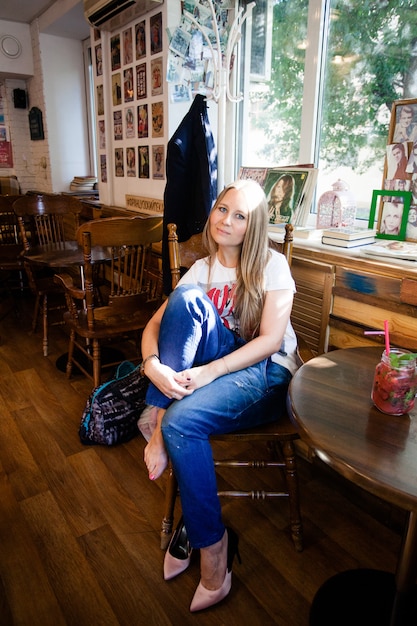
{"x":201,"y":375}
{"x":172,"y":384}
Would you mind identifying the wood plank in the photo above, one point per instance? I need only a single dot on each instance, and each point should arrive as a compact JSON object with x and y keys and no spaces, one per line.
{"x":74,"y":498}
{"x":403,"y":329}
{"x":30,"y":598}
{"x":23,"y":472}
{"x":75,"y":586}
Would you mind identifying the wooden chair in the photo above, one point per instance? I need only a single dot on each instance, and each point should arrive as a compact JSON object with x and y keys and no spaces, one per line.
{"x":134,"y":289}
{"x":46,"y":219}
{"x":11,"y":242}
{"x":278,"y":437}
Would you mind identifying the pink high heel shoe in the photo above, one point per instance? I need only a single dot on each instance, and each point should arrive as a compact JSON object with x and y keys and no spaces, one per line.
{"x":204,"y":598}
{"x":178,"y":556}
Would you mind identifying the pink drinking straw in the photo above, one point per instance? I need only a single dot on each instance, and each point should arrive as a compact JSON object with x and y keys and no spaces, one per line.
{"x":386,"y":332}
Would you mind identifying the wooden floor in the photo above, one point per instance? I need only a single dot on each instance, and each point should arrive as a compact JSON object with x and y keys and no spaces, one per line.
{"x":79,"y":526}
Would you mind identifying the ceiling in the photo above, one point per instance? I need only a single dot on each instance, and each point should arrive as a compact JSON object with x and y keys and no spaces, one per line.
{"x":73,"y":24}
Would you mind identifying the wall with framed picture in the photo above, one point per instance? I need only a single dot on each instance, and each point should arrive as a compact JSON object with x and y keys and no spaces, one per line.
{"x":400,"y":174}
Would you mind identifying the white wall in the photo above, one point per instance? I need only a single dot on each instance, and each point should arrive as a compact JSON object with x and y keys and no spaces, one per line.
{"x":65,"y":102}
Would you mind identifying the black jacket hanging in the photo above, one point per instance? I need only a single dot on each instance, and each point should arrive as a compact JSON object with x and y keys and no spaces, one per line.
{"x":191,"y":170}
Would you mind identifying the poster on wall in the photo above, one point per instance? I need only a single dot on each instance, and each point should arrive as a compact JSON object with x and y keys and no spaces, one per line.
{"x":6,"y":156}
{"x":156,"y":33}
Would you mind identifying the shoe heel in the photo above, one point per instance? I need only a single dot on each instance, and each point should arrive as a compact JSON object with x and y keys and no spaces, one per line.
{"x":178,"y":555}
{"x":232,"y":548}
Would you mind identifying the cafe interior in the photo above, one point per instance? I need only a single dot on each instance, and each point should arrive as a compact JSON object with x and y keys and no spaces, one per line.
{"x":114,"y":144}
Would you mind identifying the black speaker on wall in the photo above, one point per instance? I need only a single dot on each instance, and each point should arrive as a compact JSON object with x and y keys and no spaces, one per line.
{"x":19,"y":98}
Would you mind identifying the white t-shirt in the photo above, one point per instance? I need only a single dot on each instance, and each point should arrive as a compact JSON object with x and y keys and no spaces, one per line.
{"x":222,"y":287}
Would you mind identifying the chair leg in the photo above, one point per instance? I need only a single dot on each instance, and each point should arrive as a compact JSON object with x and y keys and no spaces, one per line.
{"x":35,"y":313}
{"x":168,"y":519}
{"x":288,"y":451}
{"x":68,"y":370}
{"x":96,"y":363}
{"x":45,"y":324}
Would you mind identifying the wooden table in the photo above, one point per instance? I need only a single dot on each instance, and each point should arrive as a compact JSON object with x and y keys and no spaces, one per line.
{"x":330,"y":401}
{"x":63,"y":254}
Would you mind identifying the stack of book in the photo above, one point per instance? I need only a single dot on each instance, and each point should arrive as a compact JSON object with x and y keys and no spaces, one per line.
{"x":83,"y":183}
{"x":348,"y":237}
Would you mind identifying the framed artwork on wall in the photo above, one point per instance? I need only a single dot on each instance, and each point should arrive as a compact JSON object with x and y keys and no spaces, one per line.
{"x":156,"y":33}
{"x":140,"y":40}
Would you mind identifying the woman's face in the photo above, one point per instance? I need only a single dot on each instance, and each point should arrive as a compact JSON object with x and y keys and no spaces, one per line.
{"x":392,"y":220}
{"x":278,"y":193}
{"x":229,"y":219}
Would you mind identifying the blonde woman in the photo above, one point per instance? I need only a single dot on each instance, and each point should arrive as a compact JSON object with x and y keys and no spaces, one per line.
{"x":219,"y":349}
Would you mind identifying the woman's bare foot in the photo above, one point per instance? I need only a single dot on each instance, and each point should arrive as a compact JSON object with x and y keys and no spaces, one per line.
{"x":213,"y":564}
{"x":155,"y":455}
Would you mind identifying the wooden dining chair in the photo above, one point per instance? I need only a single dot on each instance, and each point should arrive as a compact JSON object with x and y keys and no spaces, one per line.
{"x":278,"y":436}
{"x":46,"y":219}
{"x":11,"y":246}
{"x":131,"y":293}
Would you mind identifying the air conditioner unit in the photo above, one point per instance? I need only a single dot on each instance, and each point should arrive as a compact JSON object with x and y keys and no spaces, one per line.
{"x":112,"y":14}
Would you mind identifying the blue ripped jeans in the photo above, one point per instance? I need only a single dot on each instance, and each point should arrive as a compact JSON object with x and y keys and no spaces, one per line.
{"x":192,"y":333}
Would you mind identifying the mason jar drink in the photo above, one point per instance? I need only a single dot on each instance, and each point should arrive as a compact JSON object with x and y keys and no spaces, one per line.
{"x":395,"y":382}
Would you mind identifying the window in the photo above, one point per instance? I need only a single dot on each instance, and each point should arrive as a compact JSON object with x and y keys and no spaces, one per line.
{"x":336,"y":68}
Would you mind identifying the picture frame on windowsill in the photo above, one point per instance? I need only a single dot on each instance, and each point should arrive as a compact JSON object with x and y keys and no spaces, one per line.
{"x":392,"y":216}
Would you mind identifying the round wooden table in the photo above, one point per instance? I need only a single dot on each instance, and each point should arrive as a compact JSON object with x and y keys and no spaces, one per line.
{"x":330,"y":401}
{"x":64,"y":254}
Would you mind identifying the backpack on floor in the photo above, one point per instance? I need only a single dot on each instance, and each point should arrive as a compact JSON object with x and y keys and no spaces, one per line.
{"x":112,"y":411}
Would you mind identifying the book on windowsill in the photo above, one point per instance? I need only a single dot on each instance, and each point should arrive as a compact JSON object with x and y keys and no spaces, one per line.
{"x":349,"y":234}
{"x":303,"y":232}
{"x":345,"y":243}
{"x":405,"y":250}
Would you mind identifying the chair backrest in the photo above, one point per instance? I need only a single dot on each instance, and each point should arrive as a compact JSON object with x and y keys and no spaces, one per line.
{"x":183,"y":254}
{"x":47,"y":219}
{"x":133,"y":274}
{"x":9,"y":225}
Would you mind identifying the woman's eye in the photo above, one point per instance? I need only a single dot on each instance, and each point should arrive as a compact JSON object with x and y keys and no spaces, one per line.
{"x":240,"y":216}
{"x":222,"y":209}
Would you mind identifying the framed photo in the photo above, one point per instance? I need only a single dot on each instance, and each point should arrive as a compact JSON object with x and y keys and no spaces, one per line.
{"x":140,"y":40}
{"x":118,"y":162}
{"x":142,"y":121}
{"x":156,"y":33}
{"x":115,"y":53}
{"x":99,"y":60}
{"x":156,"y":76}
{"x":284,"y":190}
{"x":117,"y":125}
{"x":392,"y":215}
{"x":116,"y":89}
{"x":128,"y":88}
{"x":143,"y":155}
{"x":158,"y":162}
{"x":103,"y":168}
{"x":157,"y":119}
{"x":403,"y":124}
{"x":131,"y":162}
{"x":130,"y":122}
{"x":127,"y":47}
{"x":141,"y":81}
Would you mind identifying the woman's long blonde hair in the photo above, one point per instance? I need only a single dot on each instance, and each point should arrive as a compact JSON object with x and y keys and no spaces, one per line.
{"x":254,"y":255}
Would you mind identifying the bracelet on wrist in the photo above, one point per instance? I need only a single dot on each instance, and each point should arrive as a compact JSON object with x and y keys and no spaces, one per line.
{"x":142,"y":365}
